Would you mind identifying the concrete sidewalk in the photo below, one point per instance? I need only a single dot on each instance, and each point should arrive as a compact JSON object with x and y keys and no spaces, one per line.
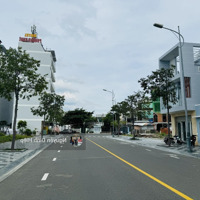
{"x":158,"y":143}
{"x":10,"y":161}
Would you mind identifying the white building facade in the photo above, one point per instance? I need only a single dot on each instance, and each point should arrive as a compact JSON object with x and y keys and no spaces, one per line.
{"x":47,"y":58}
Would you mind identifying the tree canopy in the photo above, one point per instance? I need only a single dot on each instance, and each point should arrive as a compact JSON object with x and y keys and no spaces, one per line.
{"x":18,"y":76}
{"x":160,"y":84}
{"x":78,"y":118}
{"x":107,"y":120}
{"x":50,"y":107}
{"x":136,"y":106}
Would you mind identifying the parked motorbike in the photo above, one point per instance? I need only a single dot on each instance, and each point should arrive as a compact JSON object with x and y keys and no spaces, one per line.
{"x":168,"y":140}
{"x":178,"y":140}
{"x":193,"y":140}
{"x":173,"y":140}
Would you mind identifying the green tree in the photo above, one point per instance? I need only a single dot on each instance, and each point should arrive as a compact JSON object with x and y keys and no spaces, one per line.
{"x":56,"y":110}
{"x":50,"y":108}
{"x":107,"y":120}
{"x":78,"y":118}
{"x":137,"y":106}
{"x":118,"y":110}
{"x":18,"y":76}
{"x":160,"y":84}
{"x":22,"y":125}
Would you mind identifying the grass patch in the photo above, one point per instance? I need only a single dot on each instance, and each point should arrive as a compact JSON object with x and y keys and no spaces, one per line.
{"x":128,"y":135}
{"x":161,"y":135}
{"x":134,"y":138}
{"x":8,"y":138}
{"x":14,"y":150}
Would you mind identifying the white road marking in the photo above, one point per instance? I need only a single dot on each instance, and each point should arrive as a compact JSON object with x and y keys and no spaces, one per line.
{"x":58,"y":151}
{"x":44,"y":178}
{"x":174,"y":156}
{"x":123,"y":143}
{"x":147,"y":149}
{"x":54,"y":159}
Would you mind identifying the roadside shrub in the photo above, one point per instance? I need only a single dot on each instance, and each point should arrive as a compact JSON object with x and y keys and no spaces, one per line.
{"x":2,"y":134}
{"x":8,"y":138}
{"x":18,"y":137}
{"x":28,"y":132}
{"x":21,"y":125}
{"x":161,"y":135}
{"x":34,"y":132}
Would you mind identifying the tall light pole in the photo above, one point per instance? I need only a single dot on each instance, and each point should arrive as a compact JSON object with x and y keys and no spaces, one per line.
{"x":113,"y":103}
{"x":181,"y":43}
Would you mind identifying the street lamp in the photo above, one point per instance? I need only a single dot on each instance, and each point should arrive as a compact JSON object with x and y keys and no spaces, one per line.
{"x":113,"y":102}
{"x":182,"y":79}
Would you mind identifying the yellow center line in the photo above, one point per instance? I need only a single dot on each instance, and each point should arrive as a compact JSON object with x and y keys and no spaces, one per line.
{"x":145,"y":173}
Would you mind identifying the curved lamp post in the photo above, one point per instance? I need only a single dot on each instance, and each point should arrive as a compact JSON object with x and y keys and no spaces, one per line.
{"x":181,"y":43}
{"x":113,"y":102}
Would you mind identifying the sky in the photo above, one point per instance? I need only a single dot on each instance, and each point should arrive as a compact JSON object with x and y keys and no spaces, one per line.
{"x":100,"y":44}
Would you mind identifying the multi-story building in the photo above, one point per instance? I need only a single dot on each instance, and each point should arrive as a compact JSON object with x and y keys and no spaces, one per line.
{"x":191,"y":65}
{"x":33,"y":46}
{"x":159,"y":120}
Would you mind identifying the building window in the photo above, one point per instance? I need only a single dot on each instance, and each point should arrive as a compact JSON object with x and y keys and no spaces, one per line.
{"x":187,"y":87}
{"x":164,"y":118}
{"x":155,"y":118}
{"x":177,"y":65}
{"x":196,"y":54}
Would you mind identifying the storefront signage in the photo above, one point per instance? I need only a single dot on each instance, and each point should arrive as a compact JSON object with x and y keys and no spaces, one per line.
{"x":30,"y":35}
{"x":22,"y":39}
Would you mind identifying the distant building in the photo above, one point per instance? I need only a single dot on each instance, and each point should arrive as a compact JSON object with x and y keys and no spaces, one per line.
{"x":159,"y":120}
{"x":33,"y":46}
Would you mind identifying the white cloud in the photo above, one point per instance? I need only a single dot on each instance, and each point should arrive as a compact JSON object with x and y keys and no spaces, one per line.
{"x":70,"y":97}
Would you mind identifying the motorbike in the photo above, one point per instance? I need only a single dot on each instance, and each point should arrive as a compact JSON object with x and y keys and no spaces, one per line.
{"x":178,"y":140}
{"x":173,"y":140}
{"x":168,"y":140}
{"x":193,"y":140}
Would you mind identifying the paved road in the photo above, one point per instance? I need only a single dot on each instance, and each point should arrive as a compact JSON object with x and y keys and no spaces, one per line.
{"x":107,"y":169}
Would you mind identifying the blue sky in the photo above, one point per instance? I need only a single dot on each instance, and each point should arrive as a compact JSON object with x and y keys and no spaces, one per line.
{"x":100,"y":44}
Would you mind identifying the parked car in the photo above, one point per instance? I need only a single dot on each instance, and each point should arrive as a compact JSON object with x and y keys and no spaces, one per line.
{"x":66,"y":131}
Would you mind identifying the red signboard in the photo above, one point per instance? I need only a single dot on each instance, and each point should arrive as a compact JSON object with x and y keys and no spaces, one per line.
{"x":22,"y":39}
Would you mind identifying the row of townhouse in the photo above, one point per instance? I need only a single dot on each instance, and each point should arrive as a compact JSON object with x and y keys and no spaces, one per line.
{"x":191,"y":66}
{"x":33,"y":46}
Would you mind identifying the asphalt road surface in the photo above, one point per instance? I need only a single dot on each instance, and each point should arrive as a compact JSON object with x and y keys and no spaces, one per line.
{"x":105,"y":169}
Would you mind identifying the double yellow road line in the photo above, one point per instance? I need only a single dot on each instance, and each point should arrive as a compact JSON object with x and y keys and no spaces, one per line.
{"x":145,"y":173}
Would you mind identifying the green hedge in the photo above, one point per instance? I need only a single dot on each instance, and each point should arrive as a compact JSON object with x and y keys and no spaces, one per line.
{"x":2,"y":134}
{"x":8,"y":138}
